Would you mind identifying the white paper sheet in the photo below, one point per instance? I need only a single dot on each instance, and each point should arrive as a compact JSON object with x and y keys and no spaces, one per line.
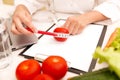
{"x":77,"y":50}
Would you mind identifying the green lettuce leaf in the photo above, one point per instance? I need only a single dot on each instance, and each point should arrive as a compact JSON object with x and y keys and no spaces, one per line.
{"x":109,"y":55}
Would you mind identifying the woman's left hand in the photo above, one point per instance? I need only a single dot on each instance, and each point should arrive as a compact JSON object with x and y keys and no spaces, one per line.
{"x":75,"y":24}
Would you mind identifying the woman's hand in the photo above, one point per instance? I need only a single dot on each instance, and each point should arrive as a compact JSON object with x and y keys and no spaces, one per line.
{"x":76,"y":24}
{"x":22,"y":16}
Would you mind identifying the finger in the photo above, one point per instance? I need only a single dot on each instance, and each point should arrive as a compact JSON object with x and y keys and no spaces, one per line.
{"x":20,"y":28}
{"x":72,"y":28}
{"x":28,"y":22}
{"x":66,"y":24}
{"x":14,"y":30}
{"x":80,"y":29}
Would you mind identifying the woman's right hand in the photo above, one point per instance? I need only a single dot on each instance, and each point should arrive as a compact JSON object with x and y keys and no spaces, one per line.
{"x":22,"y":16}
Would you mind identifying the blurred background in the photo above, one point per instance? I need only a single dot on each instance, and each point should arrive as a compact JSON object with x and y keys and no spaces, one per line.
{"x":6,"y":8}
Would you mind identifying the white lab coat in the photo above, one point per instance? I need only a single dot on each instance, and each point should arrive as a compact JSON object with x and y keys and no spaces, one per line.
{"x":109,"y":8}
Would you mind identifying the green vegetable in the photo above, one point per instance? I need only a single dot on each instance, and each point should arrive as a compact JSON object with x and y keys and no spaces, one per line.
{"x":102,"y":74}
{"x":111,"y":53}
{"x":111,"y":56}
{"x":116,"y":42}
{"x":114,"y":39}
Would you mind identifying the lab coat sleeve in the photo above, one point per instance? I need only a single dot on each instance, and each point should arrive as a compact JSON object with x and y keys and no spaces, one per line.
{"x":110,"y":9}
{"x":32,"y":5}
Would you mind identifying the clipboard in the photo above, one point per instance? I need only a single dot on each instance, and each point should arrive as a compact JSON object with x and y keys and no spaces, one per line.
{"x":77,"y":50}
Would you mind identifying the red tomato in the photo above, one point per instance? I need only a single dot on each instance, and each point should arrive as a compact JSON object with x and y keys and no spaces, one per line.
{"x":61,"y":30}
{"x":56,"y":66}
{"x":43,"y":77}
{"x":28,"y":69}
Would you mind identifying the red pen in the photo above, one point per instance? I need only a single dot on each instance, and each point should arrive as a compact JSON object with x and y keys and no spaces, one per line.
{"x":61,"y":35}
